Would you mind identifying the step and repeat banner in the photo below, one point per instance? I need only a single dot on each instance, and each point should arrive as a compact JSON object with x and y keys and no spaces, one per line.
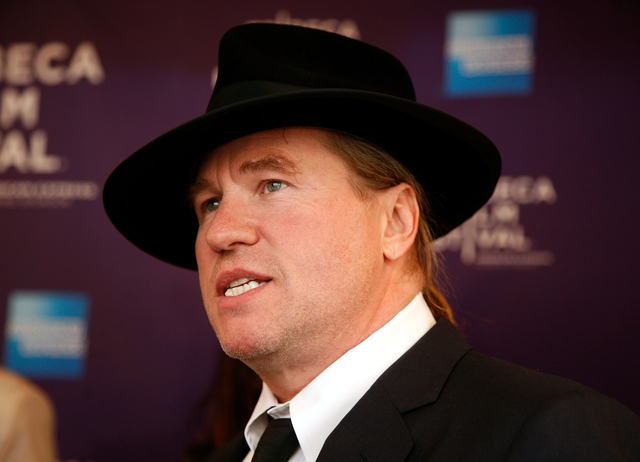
{"x":544,"y":275}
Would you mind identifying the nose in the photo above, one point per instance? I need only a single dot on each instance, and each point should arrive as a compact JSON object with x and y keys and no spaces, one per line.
{"x":230,"y":227}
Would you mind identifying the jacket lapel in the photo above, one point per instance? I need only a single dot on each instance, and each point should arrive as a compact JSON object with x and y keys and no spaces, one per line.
{"x":375,"y":430}
{"x":417,"y":378}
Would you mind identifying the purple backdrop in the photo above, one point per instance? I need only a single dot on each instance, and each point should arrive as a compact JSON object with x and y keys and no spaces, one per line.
{"x":151,"y":349}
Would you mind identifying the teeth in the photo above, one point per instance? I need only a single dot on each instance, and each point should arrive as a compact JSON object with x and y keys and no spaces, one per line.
{"x":241,"y":286}
{"x":239,"y":282}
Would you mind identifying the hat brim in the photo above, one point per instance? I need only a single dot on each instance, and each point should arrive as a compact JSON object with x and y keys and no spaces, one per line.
{"x":458,"y":167}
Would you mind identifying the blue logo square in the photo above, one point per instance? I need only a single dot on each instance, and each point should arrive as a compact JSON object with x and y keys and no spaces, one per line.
{"x":46,"y":334}
{"x":489,"y":52}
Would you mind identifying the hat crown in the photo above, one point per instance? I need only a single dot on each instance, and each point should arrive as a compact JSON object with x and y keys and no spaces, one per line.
{"x":275,"y":76}
{"x":266,"y":59}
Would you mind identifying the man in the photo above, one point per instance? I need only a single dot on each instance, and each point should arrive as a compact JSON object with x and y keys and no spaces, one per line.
{"x":311,"y":242}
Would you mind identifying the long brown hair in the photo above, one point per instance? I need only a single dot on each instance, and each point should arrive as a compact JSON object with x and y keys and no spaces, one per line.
{"x":375,"y":170}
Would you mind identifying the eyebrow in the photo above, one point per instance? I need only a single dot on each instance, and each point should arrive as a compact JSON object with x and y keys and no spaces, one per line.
{"x":196,"y":188}
{"x":273,"y":162}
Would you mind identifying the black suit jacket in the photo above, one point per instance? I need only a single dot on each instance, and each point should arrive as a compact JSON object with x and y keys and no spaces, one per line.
{"x":441,"y":401}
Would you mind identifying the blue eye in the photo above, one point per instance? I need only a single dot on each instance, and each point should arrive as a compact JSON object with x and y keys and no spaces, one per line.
{"x":273,"y":186}
{"x":211,"y":205}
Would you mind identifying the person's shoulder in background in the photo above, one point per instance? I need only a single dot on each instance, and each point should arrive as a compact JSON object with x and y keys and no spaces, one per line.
{"x":27,"y":421}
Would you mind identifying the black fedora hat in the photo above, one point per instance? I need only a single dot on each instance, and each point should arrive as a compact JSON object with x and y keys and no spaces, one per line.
{"x":273,"y":76}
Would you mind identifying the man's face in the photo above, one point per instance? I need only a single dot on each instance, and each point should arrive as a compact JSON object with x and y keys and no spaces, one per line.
{"x":289,"y":258}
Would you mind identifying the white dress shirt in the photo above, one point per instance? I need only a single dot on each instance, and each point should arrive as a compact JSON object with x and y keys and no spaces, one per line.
{"x":318,"y":409}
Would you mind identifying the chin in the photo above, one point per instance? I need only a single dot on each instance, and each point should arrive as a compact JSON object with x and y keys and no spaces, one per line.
{"x":244,"y":350}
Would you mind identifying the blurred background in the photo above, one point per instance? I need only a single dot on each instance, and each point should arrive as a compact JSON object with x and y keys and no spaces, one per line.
{"x":544,"y":276}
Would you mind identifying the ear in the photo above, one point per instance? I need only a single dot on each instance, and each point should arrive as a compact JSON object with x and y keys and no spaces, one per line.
{"x":402,"y":215}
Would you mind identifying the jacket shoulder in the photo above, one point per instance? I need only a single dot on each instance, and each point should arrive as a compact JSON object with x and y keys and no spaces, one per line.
{"x":489,"y":409}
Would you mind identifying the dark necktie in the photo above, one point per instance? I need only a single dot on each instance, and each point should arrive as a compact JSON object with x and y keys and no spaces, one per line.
{"x":278,"y":442}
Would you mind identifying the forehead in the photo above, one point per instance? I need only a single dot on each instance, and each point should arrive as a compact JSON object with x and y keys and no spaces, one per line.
{"x":289,"y":151}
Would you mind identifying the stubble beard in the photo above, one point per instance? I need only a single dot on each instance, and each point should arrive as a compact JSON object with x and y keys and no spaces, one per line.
{"x":305,"y":339}
{"x":259,"y":342}
{"x":313,"y":325}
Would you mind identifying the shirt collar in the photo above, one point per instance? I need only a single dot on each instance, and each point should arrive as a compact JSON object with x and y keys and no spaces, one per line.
{"x":318,"y":409}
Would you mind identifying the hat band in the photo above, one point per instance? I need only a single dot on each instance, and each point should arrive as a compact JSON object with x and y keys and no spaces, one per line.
{"x":247,"y":90}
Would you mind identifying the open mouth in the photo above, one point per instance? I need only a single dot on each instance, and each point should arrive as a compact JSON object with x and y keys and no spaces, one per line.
{"x":240,"y":286}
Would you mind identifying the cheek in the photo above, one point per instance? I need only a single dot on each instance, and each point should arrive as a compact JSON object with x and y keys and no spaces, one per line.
{"x":206,"y":262}
{"x":323,"y":239}
{"x":304,"y":227}
{"x":200,"y":247}
{"x":205,"y":256}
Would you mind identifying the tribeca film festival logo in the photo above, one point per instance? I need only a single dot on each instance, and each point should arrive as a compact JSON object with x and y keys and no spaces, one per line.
{"x":346,"y":27}
{"x":494,"y":236}
{"x":24,"y":146}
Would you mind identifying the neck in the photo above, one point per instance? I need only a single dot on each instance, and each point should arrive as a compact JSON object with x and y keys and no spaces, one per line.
{"x":288,"y":372}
